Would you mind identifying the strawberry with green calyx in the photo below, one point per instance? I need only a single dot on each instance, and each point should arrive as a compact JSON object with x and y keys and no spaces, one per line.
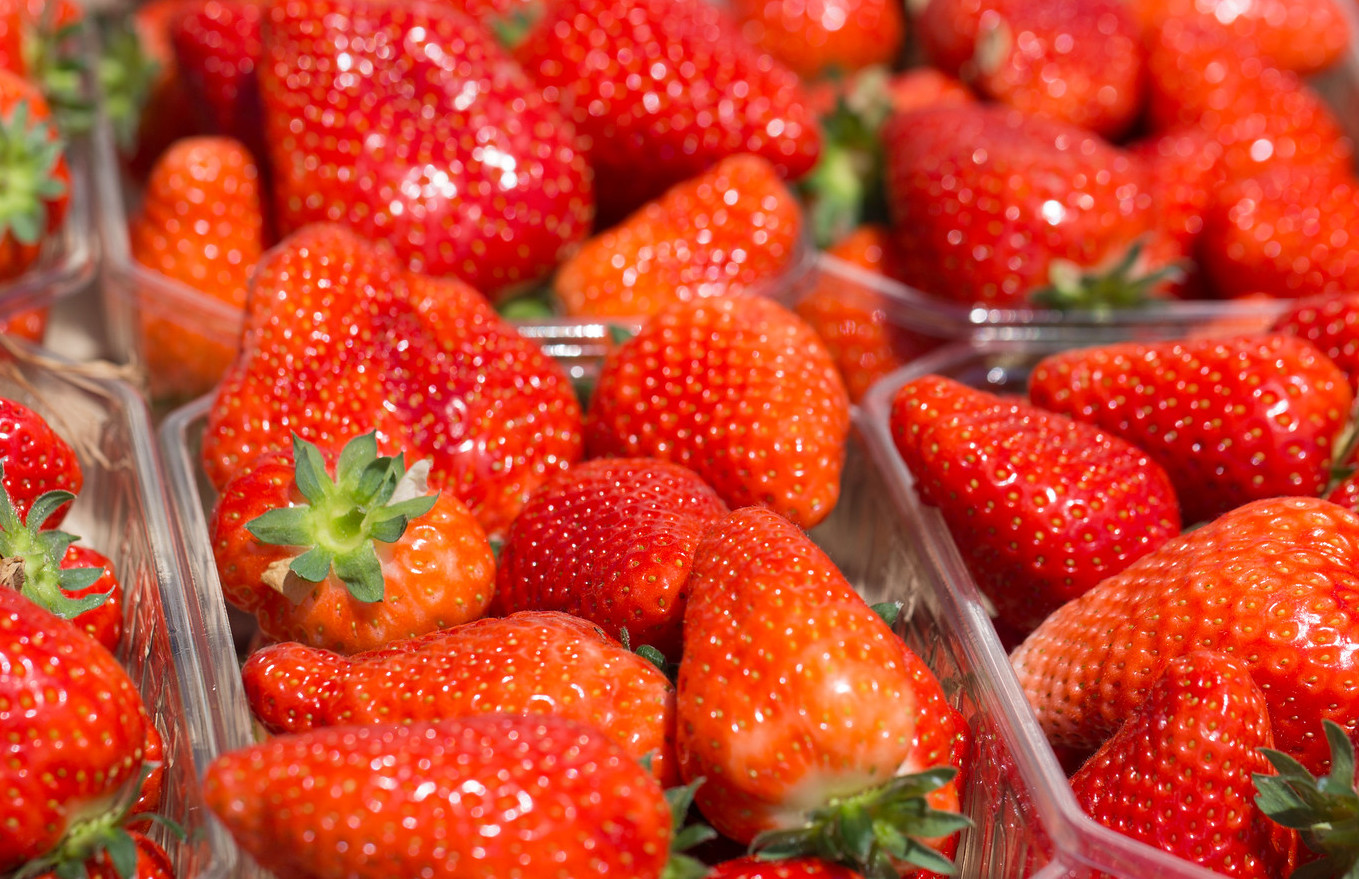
{"x":1128,"y":283}
{"x":791,"y":868}
{"x":1323,"y":809}
{"x":352,"y":561}
{"x":31,"y":559}
{"x":37,"y":180}
{"x":36,"y":460}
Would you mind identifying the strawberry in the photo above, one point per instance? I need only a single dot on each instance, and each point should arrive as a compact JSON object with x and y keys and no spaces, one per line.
{"x":1231,"y":420}
{"x":677,"y":89}
{"x":526,"y":663}
{"x":37,"y":177}
{"x":792,"y":868}
{"x":477,"y":175}
{"x":200,"y":223}
{"x":1285,"y":232}
{"x":134,"y":856}
{"x":1088,"y":503}
{"x":36,"y":460}
{"x":104,"y":621}
{"x":739,"y":390}
{"x":339,"y":340}
{"x":610,"y":540}
{"x":1320,"y":808}
{"x":1264,"y":582}
{"x":1331,"y":323}
{"x":1303,"y":36}
{"x":825,"y":37}
{"x":731,"y":229}
{"x":73,"y":727}
{"x":1083,"y":203}
{"x":407,"y":800}
{"x":1079,"y":61}
{"x":1190,"y":750}
{"x":218,"y":46}
{"x":352,"y":560}
{"x":775,"y":636}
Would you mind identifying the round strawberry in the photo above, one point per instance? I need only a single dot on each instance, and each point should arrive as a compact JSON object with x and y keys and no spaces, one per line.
{"x":36,"y":460}
{"x":738,"y":389}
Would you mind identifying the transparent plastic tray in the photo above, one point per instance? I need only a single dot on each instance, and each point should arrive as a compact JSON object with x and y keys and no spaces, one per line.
{"x":170,"y":645}
{"x":862,"y":536}
{"x":1080,"y":847}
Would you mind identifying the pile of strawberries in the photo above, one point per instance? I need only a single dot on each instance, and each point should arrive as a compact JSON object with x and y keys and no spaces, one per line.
{"x":84,"y":769}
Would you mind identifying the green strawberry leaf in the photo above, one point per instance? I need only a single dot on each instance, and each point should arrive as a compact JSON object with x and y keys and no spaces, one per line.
{"x":312,"y":565}
{"x":285,"y":526}
{"x":310,"y":473}
{"x":362,"y":573}
{"x":46,"y":504}
{"x":1325,"y":811}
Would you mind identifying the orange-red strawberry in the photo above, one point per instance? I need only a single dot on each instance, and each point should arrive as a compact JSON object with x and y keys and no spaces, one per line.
{"x":339,"y":340}
{"x":200,"y":223}
{"x":731,"y":229}
{"x":792,"y":868}
{"x":1056,"y":196}
{"x":352,"y":559}
{"x":738,"y":389}
{"x":793,"y":693}
{"x":1190,"y":750}
{"x":420,"y":799}
{"x":610,"y":540}
{"x":37,"y":178}
{"x":36,"y":460}
{"x":825,"y":37}
{"x":1041,"y":507}
{"x":1231,"y":420}
{"x":1331,"y":323}
{"x":662,"y":89}
{"x":73,"y":728}
{"x":1270,"y":583}
{"x":1300,"y":35}
{"x":425,"y":134}
{"x":526,"y":663}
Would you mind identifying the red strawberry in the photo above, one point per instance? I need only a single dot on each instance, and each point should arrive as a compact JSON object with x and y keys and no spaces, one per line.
{"x":218,"y":48}
{"x":1189,"y":750}
{"x":352,"y":560}
{"x":825,"y":37}
{"x":1231,"y":420}
{"x":1299,"y":35}
{"x":729,"y":230}
{"x":200,"y":223}
{"x":792,"y":868}
{"x":676,"y":89}
{"x":1040,"y":506}
{"x":104,"y":621}
{"x":527,"y":663}
{"x":37,"y":177}
{"x":1267,"y":582}
{"x":36,"y":460}
{"x":1082,"y":203}
{"x":152,"y":792}
{"x":149,"y":861}
{"x":423,"y":134}
{"x":739,"y":390}
{"x":611,"y":541}
{"x":339,"y":341}
{"x":73,"y":727}
{"x":794,"y":693}
{"x":1331,"y":323}
{"x":404,"y":800}
{"x":1286,"y":232}
{"x":1080,"y":61}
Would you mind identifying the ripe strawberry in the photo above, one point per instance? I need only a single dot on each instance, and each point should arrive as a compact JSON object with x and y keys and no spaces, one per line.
{"x":526,"y":663}
{"x":1082,"y":202}
{"x":350,"y":561}
{"x":104,"y":621}
{"x":136,"y":857}
{"x":1040,"y":506}
{"x":1320,"y":808}
{"x":36,"y":460}
{"x":1285,"y":232}
{"x":1264,"y":583}
{"x":611,"y":541}
{"x":1231,"y":420}
{"x":38,"y":180}
{"x":1079,"y":61}
{"x":405,"y":800}
{"x":339,"y":341}
{"x":739,"y":390}
{"x":677,"y":89}
{"x":792,"y":868}
{"x":1331,"y":323}
{"x":200,"y":223}
{"x":1189,"y":750}
{"x":774,"y":635}
{"x":477,"y":174}
{"x":729,"y":230}
{"x":825,"y":37}
{"x":218,"y":46}
{"x":1304,"y":36}
{"x":73,"y":742}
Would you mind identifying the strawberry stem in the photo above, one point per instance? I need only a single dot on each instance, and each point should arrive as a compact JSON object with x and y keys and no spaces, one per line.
{"x":1071,"y":287}
{"x":1325,"y":810}
{"x":30,"y":557}
{"x":29,"y":154}
{"x":370,"y":499}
